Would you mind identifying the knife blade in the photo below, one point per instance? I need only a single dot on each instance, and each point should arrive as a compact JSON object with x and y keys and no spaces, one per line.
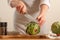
{"x":30,"y":17}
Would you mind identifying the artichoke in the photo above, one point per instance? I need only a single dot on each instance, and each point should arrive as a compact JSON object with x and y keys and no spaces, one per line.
{"x":32,"y":28}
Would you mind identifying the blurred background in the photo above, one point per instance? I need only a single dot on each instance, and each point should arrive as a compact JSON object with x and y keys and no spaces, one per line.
{"x":7,"y":14}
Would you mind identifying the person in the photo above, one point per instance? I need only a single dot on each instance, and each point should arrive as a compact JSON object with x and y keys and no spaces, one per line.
{"x":36,"y":8}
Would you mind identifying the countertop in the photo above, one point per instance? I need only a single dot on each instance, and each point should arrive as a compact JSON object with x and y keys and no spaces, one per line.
{"x":16,"y":36}
{"x":25,"y":37}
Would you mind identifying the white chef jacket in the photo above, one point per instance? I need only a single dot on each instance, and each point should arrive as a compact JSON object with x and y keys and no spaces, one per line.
{"x":33,"y":5}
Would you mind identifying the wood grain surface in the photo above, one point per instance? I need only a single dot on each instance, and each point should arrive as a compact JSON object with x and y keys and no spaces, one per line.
{"x":24,"y":37}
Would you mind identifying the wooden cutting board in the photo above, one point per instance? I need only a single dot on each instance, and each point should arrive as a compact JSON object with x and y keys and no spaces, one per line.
{"x":24,"y":36}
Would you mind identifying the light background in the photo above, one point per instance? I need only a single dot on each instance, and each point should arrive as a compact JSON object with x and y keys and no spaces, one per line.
{"x":7,"y":14}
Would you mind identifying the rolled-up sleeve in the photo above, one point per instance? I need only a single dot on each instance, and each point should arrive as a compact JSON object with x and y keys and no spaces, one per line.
{"x":9,"y":1}
{"x":47,"y":2}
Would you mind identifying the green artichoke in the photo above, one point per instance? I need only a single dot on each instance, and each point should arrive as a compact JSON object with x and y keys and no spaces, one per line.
{"x":56,"y":27}
{"x":32,"y":28}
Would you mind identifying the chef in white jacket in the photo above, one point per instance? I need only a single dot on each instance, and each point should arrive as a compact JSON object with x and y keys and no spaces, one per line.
{"x":36,"y":8}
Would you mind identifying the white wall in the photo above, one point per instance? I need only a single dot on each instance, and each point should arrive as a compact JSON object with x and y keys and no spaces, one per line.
{"x":53,"y":13}
{"x":7,"y":14}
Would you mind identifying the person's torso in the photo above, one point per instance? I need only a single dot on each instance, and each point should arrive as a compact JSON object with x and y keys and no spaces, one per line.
{"x":21,"y":20}
{"x":33,"y":6}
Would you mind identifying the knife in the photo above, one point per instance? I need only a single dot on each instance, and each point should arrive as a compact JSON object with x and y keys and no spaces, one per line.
{"x":30,"y":17}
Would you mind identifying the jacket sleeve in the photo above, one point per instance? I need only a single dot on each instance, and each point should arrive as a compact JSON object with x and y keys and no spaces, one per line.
{"x":47,"y":2}
{"x":13,"y":3}
{"x":9,"y":1}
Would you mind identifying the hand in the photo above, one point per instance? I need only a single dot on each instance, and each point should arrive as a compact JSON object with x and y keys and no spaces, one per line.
{"x":41,"y":19}
{"x":14,"y":3}
{"x":21,"y":8}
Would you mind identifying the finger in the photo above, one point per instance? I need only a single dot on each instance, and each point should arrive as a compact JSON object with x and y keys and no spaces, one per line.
{"x":42,"y":22}
{"x":39,"y":16}
{"x":21,"y":7}
{"x":18,"y":8}
{"x":21,"y":10}
{"x":38,"y":19}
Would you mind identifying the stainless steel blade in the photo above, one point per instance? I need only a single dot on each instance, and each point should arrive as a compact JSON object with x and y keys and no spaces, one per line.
{"x":30,"y":17}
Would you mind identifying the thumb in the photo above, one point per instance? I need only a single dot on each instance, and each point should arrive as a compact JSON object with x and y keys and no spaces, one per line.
{"x":39,"y":17}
